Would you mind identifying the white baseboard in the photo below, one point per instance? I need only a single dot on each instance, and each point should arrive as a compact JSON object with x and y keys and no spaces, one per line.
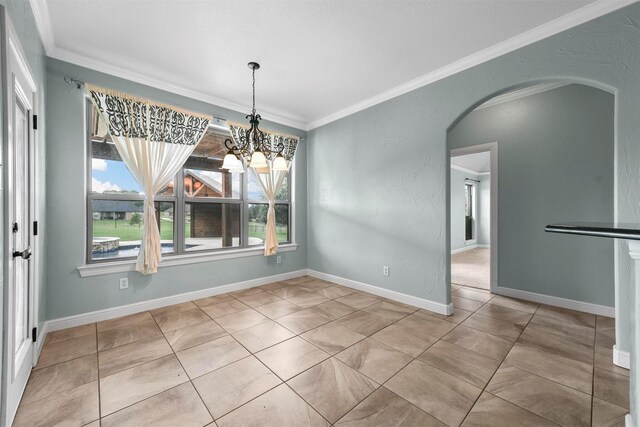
{"x":386,"y":293}
{"x":42,"y":334}
{"x":628,"y":421}
{"x":601,"y":310}
{"x":484,"y":246}
{"x":463,"y":249}
{"x":112,"y":313}
{"x":621,"y":358}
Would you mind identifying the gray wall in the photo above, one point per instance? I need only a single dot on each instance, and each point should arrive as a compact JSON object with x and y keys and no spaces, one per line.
{"x":23,"y":22}
{"x":366,"y":210}
{"x":484,"y":210}
{"x":69,"y":293}
{"x":555,"y":164}
{"x":457,"y":208}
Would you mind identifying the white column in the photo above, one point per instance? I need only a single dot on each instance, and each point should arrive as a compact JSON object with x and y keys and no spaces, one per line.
{"x":634,"y":328}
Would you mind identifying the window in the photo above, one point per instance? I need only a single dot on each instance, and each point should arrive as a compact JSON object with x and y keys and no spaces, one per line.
{"x":204,"y":208}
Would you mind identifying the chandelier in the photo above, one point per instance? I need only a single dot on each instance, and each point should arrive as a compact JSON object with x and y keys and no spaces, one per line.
{"x":253,"y":146}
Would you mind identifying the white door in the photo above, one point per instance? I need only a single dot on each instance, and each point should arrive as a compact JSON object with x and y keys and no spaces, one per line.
{"x":18,"y":199}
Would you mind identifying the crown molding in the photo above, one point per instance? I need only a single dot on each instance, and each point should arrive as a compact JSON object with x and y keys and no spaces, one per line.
{"x":584,"y":14}
{"x":522,"y":93}
{"x":563,"y":23}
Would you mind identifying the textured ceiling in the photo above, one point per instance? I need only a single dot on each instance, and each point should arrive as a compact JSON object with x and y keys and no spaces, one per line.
{"x":318,"y":57}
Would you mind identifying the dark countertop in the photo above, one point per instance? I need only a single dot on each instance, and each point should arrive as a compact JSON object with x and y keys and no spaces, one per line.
{"x":597,"y":229}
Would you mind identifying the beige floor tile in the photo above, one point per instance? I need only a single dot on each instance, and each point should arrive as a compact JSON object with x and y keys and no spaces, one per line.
{"x":183,"y":306}
{"x":281,"y":406}
{"x":203,"y":302}
{"x":515,"y":304}
{"x":262,"y":336}
{"x":75,"y":332}
{"x":61,"y":377}
{"x":246,"y":292}
{"x":211,"y":355}
{"x":314,"y":285}
{"x":553,"y":401}
{"x":234,"y":385}
{"x":173,"y":320}
{"x":500,"y":328}
{"x":307,"y":299}
{"x":256,"y":300}
{"x":390,"y":311}
{"x":291,"y":357}
{"x":428,"y":324}
{"x":480,"y":342}
{"x":517,"y":317}
{"x":359,"y":300}
{"x":556,"y":344}
{"x":473,"y":294}
{"x":273,"y":286}
{"x":405,"y":339}
{"x":364,"y":323}
{"x":569,"y":372}
{"x":136,"y":384}
{"x":605,"y":332}
{"x":491,"y":411}
{"x":458,"y":315}
{"x":384,"y":408}
{"x":278,"y":309}
{"x":571,"y":331}
{"x":439,"y":394}
{"x":118,"y":322}
{"x":224,"y":308}
{"x":567,"y":316}
{"x":179,"y":406}
{"x":303,"y":320}
{"x":374,"y":359}
{"x":298,"y":280}
{"x":472,"y":367}
{"x":129,"y":355}
{"x":332,"y":388}
{"x":604,"y":360}
{"x":183,"y":338}
{"x":332,"y":292}
{"x":465,"y":303}
{"x":127,"y":333}
{"x":287,"y":292}
{"x":614,"y":388}
{"x":607,"y":414}
{"x":241,"y":320}
{"x":333,"y":309}
{"x":332,"y":337}
{"x":77,"y":406}
{"x":54,"y":352}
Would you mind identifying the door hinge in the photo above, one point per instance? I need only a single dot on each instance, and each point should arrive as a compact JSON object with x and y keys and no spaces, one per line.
{"x":35,"y":228}
{"x":14,"y":227}
{"x":34,"y":334}
{"x":35,"y":122}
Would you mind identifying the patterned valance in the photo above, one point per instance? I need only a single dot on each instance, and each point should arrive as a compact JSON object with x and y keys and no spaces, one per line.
{"x":132,"y":117}
{"x":274,"y":140}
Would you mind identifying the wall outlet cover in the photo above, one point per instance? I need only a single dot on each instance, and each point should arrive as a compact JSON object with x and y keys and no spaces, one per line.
{"x":124,"y":283}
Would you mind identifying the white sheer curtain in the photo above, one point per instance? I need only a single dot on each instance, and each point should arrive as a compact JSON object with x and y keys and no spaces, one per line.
{"x":271,"y":182}
{"x":154,"y":141}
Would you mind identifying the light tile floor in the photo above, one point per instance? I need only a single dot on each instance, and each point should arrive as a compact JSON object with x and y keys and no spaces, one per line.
{"x":309,"y":352}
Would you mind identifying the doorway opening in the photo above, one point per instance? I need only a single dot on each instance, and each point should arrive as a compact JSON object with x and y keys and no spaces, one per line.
{"x":471,"y":213}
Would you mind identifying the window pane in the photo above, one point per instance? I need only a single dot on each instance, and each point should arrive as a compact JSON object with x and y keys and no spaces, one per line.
{"x":258,"y":223}
{"x":256,"y":193}
{"x":211,"y":225}
{"x":209,"y":183}
{"x":117,"y":227}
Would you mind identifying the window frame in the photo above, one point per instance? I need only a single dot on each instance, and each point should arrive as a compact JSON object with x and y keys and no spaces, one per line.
{"x":179,"y":200}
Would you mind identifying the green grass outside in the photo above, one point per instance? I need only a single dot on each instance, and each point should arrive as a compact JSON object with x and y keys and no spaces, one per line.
{"x":127,"y":232}
{"x":258,"y":229}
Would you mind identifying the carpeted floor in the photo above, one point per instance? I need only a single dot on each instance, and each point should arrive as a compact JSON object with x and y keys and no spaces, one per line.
{"x":471,"y":268}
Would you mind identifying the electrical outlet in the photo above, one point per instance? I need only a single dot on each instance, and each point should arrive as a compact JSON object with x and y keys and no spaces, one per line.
{"x":124,"y":283}
{"x":385,"y":270}
{"x":279,"y":259}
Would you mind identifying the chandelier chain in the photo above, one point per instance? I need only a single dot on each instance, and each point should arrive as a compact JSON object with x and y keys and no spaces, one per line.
{"x":254,"y":91}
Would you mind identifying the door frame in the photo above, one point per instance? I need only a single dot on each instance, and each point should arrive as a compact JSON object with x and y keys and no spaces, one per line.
{"x":11,"y":49}
{"x":492,"y":148}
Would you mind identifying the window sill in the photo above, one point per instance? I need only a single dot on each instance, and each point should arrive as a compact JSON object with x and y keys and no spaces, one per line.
{"x":99,"y":269}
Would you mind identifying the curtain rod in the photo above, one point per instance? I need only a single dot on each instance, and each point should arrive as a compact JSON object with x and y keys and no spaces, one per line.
{"x":469,"y":179}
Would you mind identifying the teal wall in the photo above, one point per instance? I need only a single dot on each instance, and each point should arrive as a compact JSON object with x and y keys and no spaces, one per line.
{"x":484,"y":210}
{"x":68,"y":293}
{"x":555,"y":164}
{"x":379,"y":179}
